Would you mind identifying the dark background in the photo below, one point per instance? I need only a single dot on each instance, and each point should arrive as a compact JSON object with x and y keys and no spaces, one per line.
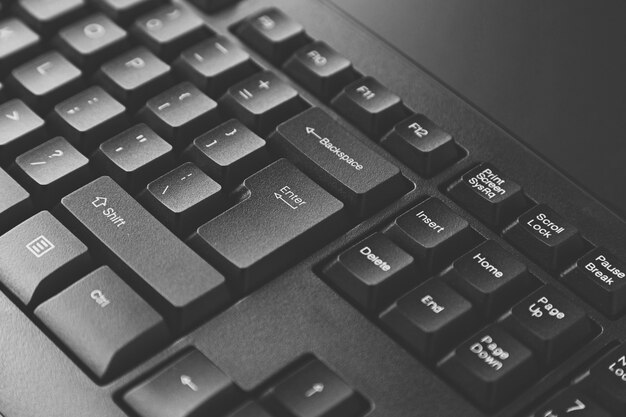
{"x":551,"y":72}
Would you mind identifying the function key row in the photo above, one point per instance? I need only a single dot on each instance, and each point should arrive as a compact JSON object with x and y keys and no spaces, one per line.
{"x":476,"y":282}
{"x":363,"y":101}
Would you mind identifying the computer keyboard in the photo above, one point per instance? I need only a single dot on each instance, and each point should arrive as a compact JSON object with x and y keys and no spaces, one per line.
{"x":208,"y":210}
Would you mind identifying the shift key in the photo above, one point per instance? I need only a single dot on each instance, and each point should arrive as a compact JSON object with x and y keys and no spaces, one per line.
{"x":331,"y":155}
{"x":161,"y":268}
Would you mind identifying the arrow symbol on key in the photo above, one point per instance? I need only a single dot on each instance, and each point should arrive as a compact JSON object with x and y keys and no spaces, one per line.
{"x":43,"y":68}
{"x":15,"y":116}
{"x":311,"y":131}
{"x":188,"y":382}
{"x":280,"y":197}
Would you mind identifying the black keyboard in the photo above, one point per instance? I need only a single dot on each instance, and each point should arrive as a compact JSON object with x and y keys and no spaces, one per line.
{"x":254,"y":209}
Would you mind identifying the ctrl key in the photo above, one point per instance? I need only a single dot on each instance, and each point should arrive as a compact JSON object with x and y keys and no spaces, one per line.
{"x":104,"y":323}
{"x":491,"y":367}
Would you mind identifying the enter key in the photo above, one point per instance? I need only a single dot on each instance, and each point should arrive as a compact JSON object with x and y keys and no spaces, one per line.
{"x":284,"y":216}
{"x":339,"y":161}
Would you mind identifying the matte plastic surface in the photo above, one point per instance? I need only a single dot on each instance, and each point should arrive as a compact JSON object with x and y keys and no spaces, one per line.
{"x":297,"y":313}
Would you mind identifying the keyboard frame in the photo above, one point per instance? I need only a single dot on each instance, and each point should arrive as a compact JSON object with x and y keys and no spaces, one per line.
{"x":297,"y":313}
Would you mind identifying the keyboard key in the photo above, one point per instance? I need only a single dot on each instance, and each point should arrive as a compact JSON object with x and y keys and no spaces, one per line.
{"x":125,"y":11}
{"x":490,"y":367}
{"x":550,"y":324}
{"x":183,"y":198}
{"x":168,"y":274}
{"x":191,"y":386}
{"x":46,"y":80}
{"x":272,"y":34}
{"x":571,"y":403}
{"x":215,"y":64}
{"x":180,"y":114}
{"x":89,"y":117}
{"x":433,"y":233}
{"x":210,"y":6}
{"x":607,"y":380}
{"x":546,"y":237}
{"x":370,"y":106}
{"x":373,"y":272}
{"x":339,"y":161}
{"x":422,"y":145}
{"x":104,"y":323}
{"x":600,"y":278}
{"x":39,"y":258}
{"x":284,"y":216}
{"x":48,"y":16}
{"x":91,"y":41}
{"x":321,"y":70}
{"x":263,"y":101}
{"x":315,"y":390}
{"x":134,"y":157}
{"x":490,"y":195}
{"x":491,"y":278}
{"x":170,"y":29}
{"x":431,"y":318}
{"x":229,"y":153}
{"x":52,"y":170}
{"x":20,"y":129}
{"x":15,"y":204}
{"x":250,"y":409}
{"x":17,"y":43}
{"x":135,"y":76}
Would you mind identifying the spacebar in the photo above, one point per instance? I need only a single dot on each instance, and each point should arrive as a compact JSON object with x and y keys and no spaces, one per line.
{"x":160,"y":267}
